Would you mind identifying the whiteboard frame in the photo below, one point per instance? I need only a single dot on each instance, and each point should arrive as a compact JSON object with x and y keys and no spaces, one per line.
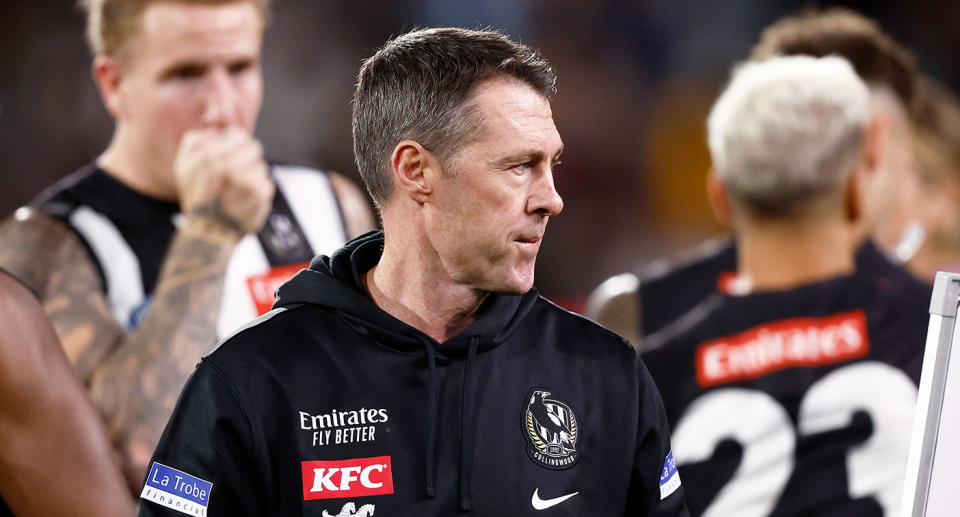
{"x":933,"y":379}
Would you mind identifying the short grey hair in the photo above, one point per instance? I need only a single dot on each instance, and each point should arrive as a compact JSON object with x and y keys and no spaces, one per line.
{"x":788,"y":130}
{"x":419,"y":86}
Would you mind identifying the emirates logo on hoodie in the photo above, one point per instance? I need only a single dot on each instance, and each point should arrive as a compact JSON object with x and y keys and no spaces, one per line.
{"x":552,"y":430}
{"x":343,"y":427}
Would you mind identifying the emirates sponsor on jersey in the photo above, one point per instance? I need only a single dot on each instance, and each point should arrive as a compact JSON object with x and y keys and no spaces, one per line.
{"x":789,"y":343}
{"x":357,"y":477}
{"x":341,"y":427}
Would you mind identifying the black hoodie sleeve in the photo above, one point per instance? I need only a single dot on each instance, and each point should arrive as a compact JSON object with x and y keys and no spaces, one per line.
{"x":207,"y":441}
{"x":655,"y":489}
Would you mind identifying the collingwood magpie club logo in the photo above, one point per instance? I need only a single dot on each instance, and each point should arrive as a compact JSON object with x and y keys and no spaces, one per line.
{"x":552,"y":430}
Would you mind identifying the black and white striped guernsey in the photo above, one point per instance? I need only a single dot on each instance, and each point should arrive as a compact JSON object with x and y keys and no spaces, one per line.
{"x":128,"y":233}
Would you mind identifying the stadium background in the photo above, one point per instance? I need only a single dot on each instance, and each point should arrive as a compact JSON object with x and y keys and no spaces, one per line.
{"x":637,"y":79}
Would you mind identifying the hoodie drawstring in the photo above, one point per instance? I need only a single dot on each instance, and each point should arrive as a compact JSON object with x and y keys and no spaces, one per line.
{"x":467,"y":434}
{"x":433,"y":391}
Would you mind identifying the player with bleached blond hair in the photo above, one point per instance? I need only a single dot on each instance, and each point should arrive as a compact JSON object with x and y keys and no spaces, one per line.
{"x":639,"y":305}
{"x":794,"y":393}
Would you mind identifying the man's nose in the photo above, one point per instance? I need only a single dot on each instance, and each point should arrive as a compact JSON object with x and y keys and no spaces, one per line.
{"x":219,"y":106}
{"x":545,"y":199}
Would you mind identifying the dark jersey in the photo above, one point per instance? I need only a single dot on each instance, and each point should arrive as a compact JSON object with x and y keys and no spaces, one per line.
{"x":330,"y":406}
{"x":797,"y":402}
{"x":128,"y":233}
{"x":670,"y":289}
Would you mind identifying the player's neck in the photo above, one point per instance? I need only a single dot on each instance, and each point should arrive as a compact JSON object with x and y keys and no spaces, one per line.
{"x":410,"y":285}
{"x":137,"y":169}
{"x":777,"y":256}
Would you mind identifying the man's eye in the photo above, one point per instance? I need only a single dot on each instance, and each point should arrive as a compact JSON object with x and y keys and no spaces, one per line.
{"x":521,"y":168}
{"x":187,"y":72}
{"x":239,"y":67}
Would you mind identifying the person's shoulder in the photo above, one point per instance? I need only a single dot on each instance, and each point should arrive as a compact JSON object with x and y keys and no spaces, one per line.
{"x":63,"y":196}
{"x":911,"y":289}
{"x":246,"y":341}
{"x":714,"y":255}
{"x":28,"y":219}
{"x":668,"y":289}
{"x":35,"y":243}
{"x":351,"y":202}
{"x":897,"y":299}
{"x":274,"y":340}
{"x":579,"y":329}
{"x":690,"y":326}
{"x":880,"y":274}
{"x":615,"y":305}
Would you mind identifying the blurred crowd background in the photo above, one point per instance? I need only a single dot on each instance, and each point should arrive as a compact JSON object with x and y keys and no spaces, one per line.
{"x":637,"y":79}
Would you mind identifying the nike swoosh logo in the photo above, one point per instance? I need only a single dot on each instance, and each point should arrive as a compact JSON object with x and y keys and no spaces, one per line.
{"x":543,"y":504}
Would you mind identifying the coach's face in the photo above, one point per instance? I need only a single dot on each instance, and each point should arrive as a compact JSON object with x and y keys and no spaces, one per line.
{"x":188,"y":67}
{"x":490,"y":212}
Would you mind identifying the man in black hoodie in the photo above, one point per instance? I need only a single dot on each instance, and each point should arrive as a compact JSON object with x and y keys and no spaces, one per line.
{"x":416,"y":371}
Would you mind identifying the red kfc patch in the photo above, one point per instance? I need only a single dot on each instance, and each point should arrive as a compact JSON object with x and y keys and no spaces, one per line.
{"x":783,"y":344}
{"x":263,"y":286}
{"x":358,"y":477}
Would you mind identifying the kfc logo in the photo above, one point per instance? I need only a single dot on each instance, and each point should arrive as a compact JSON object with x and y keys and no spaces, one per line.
{"x":347,"y":478}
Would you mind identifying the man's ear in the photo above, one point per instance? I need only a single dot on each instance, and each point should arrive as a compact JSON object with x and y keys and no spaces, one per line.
{"x":875,"y":134}
{"x":718,"y":198}
{"x":855,"y":196}
{"x":867,"y":181}
{"x":108,"y":76}
{"x":410,"y":163}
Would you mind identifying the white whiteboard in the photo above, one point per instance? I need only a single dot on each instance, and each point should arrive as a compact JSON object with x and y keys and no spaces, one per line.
{"x":932,"y":486}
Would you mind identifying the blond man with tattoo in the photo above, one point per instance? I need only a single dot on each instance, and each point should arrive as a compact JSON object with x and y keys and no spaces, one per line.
{"x":178,"y":233}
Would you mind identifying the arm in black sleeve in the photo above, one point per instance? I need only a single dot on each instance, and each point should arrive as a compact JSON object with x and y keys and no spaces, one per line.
{"x":655,"y":489}
{"x":203,"y":458}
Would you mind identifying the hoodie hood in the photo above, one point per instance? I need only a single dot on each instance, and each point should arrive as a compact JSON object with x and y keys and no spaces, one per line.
{"x":336,"y":282}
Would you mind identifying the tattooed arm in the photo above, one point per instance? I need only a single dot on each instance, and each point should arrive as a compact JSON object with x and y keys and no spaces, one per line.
{"x":137,"y":386}
{"x":133,"y":378}
{"x":48,"y":257}
{"x":225,"y":192}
